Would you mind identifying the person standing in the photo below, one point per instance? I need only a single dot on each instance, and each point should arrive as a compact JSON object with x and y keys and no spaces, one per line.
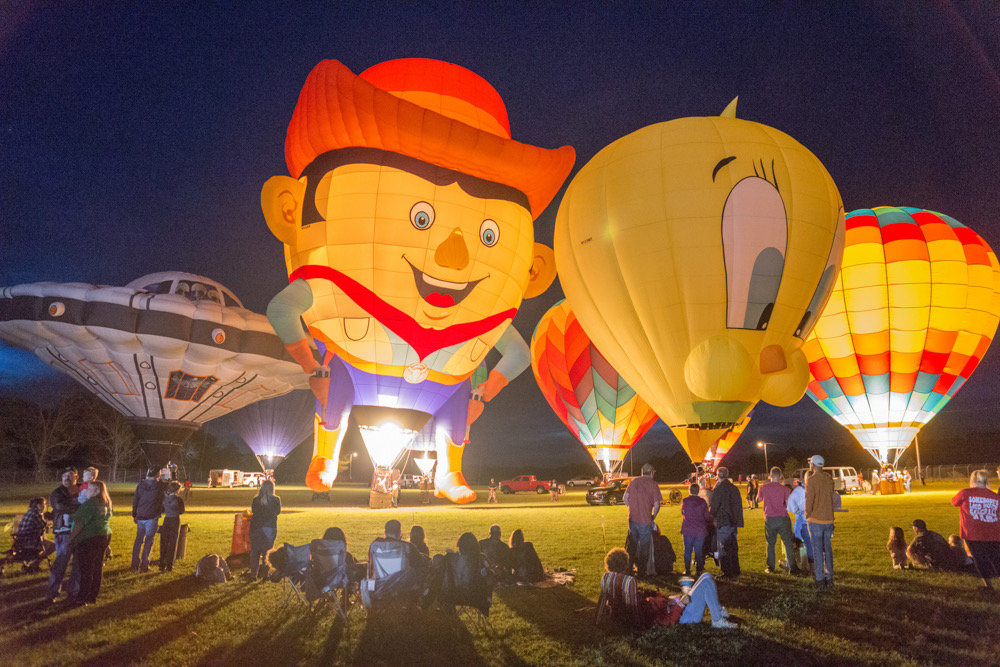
{"x":774,"y":497}
{"x":752,"y":489}
{"x":263,"y":526}
{"x":797,"y":506}
{"x":819,"y":514}
{"x":90,"y":538}
{"x":64,"y":504}
{"x":492,"y":498}
{"x":643,"y":498}
{"x":694,"y":529}
{"x":727,"y":508}
{"x":907,"y":480}
{"x":979,"y":526}
{"x":173,"y":507}
{"x":147,"y":506}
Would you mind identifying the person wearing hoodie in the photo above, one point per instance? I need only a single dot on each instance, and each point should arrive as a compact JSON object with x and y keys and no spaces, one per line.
{"x":147,"y":506}
{"x":819,"y":515}
{"x":727,"y":508}
{"x":173,"y":507}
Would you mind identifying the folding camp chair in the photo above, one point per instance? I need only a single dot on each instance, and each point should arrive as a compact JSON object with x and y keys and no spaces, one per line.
{"x":328,"y":573}
{"x":467,"y":587}
{"x":619,"y":599}
{"x":292,"y":570}
{"x":391,"y":574}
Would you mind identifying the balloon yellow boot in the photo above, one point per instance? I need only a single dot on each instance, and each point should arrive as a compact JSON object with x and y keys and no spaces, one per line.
{"x":449,"y":482}
{"x":322,"y":471}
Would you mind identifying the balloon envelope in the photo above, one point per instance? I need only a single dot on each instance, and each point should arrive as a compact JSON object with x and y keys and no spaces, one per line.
{"x":586,"y":393}
{"x":697,"y":254}
{"x":169,"y":351}
{"x":914,"y":309}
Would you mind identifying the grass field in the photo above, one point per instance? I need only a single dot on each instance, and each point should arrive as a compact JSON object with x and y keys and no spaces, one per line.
{"x":875,"y":615}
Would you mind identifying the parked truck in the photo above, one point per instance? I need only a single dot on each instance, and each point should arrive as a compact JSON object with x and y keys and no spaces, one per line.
{"x":525,"y":483}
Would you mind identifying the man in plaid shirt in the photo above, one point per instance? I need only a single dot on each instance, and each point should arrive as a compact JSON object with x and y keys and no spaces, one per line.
{"x":31,"y":529}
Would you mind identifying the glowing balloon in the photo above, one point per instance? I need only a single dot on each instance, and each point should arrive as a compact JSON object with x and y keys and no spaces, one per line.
{"x":914,"y":309}
{"x":586,"y":393}
{"x":697,"y":254}
{"x":407,"y":221}
{"x":169,"y":351}
{"x":723,"y":445}
{"x":273,"y":428}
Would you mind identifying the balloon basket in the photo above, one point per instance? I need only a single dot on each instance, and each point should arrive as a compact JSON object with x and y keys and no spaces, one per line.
{"x":379,"y":501}
{"x":887,"y":488}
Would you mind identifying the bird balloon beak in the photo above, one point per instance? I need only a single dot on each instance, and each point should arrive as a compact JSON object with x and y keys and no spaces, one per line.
{"x":772,"y":359}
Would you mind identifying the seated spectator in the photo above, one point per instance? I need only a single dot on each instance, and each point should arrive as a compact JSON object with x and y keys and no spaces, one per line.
{"x":419,"y":540}
{"x":465,"y":578}
{"x":621,"y":598}
{"x":356,"y":570}
{"x":524,"y":561}
{"x":30,"y":535}
{"x":214,"y":569}
{"x":962,"y":557}
{"x":663,"y":552}
{"x":497,"y":553}
{"x":929,"y":550}
{"x":897,"y":548}
{"x":393,"y":570}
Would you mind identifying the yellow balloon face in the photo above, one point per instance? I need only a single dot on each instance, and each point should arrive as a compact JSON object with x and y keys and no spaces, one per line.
{"x":406,"y":270}
{"x":697,"y":254}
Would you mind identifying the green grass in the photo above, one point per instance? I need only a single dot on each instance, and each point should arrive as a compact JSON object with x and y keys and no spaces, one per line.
{"x":874,"y":616}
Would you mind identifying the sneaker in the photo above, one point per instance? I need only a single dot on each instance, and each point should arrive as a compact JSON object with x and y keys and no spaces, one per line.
{"x":829,"y":583}
{"x":724,"y":624}
{"x":768,"y":570}
{"x":820,"y":584}
{"x":723,"y":613}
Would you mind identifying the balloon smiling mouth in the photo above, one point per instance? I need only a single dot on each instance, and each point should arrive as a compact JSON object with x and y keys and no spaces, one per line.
{"x":441,"y":293}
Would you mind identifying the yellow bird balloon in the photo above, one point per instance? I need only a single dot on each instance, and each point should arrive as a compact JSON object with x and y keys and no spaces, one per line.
{"x":697,"y":254}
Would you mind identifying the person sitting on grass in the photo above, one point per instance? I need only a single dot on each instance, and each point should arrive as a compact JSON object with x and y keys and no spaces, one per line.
{"x":897,"y":548}
{"x":621,"y":597}
{"x":524,"y":561}
{"x":929,"y":550}
{"x":31,"y":531}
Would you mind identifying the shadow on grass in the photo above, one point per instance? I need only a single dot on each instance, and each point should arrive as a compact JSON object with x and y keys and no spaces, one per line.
{"x":277,"y":638}
{"x":546,"y":610}
{"x":398,"y":636}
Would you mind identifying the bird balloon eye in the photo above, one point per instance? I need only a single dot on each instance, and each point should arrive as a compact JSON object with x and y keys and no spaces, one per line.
{"x":489,"y":233}
{"x":422,"y":215}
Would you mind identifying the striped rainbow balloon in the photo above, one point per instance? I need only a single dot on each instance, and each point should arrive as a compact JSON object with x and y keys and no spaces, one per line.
{"x":587,"y":394}
{"x":913,"y":311}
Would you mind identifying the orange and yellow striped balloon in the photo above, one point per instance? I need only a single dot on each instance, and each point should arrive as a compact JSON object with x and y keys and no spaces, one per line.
{"x":914,"y":308}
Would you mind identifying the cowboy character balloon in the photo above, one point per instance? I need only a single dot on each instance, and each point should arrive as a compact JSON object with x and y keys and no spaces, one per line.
{"x":407,"y":221}
{"x":697,"y":254}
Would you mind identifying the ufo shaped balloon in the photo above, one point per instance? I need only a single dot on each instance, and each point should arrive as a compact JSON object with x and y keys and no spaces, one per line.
{"x":169,"y":351}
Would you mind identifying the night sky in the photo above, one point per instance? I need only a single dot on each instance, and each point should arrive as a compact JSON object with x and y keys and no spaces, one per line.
{"x":135,"y":137}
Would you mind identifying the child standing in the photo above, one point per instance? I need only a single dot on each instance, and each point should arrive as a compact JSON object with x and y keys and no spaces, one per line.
{"x":173,"y":507}
{"x":897,"y":548}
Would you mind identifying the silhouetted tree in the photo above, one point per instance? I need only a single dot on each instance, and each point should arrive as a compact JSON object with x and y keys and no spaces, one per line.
{"x":43,"y":434}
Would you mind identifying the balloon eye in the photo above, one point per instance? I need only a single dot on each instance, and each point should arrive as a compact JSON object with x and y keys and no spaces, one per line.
{"x":489,"y":233}
{"x":422,"y":215}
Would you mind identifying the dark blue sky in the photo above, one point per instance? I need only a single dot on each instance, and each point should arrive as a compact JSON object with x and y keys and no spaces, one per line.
{"x":136,"y":136}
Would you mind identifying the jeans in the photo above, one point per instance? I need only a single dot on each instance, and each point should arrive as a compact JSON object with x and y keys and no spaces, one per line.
{"x":703,"y":594}
{"x":729,"y":551}
{"x":802,"y":532}
{"x":642,"y":536}
{"x":63,"y":555}
{"x":697,"y":545}
{"x":90,"y":554}
{"x":145,"y":534}
{"x":168,"y":541}
{"x":261,"y":541}
{"x":821,"y":534}
{"x":773,"y":527}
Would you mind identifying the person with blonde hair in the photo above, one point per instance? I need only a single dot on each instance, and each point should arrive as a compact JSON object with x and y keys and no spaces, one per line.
{"x":90,"y":537}
{"x":979,"y":526}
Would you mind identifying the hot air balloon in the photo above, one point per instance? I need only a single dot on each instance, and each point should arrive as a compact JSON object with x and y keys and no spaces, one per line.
{"x":407,"y":221}
{"x":586,"y":393}
{"x":697,"y":254}
{"x":914,"y":309}
{"x":170,"y":350}
{"x":722,"y":446}
{"x":274,"y":427}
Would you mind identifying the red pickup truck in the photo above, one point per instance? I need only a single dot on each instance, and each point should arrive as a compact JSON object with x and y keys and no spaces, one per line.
{"x":525,"y":483}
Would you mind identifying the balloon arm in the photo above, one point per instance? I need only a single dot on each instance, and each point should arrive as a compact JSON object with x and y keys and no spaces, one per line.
{"x":284,"y":312}
{"x":491,"y":387}
{"x":516,"y":356}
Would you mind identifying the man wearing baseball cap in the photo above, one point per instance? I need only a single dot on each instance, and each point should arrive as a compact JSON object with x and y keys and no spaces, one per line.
{"x":643,"y":499}
{"x":819,"y":515}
